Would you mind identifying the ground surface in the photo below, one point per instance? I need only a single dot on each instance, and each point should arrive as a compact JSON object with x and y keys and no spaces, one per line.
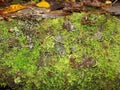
{"x":43,"y":50}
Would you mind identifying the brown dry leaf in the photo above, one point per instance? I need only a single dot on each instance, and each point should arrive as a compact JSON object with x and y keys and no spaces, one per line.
{"x":3,"y":2}
{"x":57,"y":5}
{"x":6,"y":18}
{"x":73,"y":63}
{"x":94,"y":3}
{"x":1,"y":12}
{"x":14,"y":8}
{"x":74,"y":7}
{"x":30,"y":3}
{"x":87,"y":62}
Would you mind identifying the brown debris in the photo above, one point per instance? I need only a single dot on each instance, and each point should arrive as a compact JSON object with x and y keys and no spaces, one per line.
{"x":74,"y":7}
{"x":86,"y":63}
{"x":57,"y":9}
{"x":93,"y":3}
{"x":3,"y":2}
{"x":57,"y":6}
{"x":114,"y":10}
{"x":68,"y":25}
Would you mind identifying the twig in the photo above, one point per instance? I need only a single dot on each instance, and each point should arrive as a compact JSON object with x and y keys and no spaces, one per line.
{"x":114,"y":1}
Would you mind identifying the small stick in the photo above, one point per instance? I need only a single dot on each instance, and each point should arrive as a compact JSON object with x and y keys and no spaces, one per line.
{"x":114,"y":1}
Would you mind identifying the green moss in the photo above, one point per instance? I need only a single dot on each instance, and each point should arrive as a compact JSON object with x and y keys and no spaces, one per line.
{"x":38,"y":57}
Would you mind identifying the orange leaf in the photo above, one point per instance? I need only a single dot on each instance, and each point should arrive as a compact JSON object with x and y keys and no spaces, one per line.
{"x":13,"y":8}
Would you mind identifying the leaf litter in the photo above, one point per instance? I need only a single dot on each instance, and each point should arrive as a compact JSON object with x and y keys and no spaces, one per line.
{"x":54,"y":9}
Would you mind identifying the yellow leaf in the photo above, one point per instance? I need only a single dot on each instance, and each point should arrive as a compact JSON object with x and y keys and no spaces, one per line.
{"x":70,"y":0}
{"x":13,"y":8}
{"x":108,"y":2}
{"x":43,"y":4}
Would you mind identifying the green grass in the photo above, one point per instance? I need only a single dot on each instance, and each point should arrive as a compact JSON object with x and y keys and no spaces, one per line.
{"x":37,"y":57}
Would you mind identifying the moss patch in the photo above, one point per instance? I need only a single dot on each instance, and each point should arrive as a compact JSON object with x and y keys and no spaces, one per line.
{"x":80,"y":52}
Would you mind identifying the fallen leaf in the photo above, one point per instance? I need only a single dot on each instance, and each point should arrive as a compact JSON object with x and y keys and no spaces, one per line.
{"x":30,"y":3}
{"x":87,"y":62}
{"x":11,"y":30}
{"x":43,"y":4}
{"x":14,"y":8}
{"x":93,"y":3}
{"x":74,"y":7}
{"x":108,"y":2}
{"x":57,"y":5}
{"x":70,"y":0}
{"x":1,"y":12}
{"x":6,"y":18}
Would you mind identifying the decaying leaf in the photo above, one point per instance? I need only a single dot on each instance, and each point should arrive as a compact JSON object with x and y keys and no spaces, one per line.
{"x":68,"y":26}
{"x":57,"y":9}
{"x":113,"y":9}
{"x":4,"y":17}
{"x":31,"y":3}
{"x":56,"y":5}
{"x":73,"y":63}
{"x":3,"y":2}
{"x":14,"y":8}
{"x":1,"y":12}
{"x":94,"y":3}
{"x":43,"y":4}
{"x":86,"y":63}
{"x":87,"y":21}
{"x":74,"y":7}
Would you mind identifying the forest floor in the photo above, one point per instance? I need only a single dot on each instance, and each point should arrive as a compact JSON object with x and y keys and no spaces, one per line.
{"x":60,"y":52}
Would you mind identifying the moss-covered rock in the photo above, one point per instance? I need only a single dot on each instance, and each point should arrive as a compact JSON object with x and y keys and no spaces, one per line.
{"x":80,"y":52}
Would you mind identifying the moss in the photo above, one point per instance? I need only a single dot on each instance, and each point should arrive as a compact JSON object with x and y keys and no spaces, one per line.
{"x":37,"y":57}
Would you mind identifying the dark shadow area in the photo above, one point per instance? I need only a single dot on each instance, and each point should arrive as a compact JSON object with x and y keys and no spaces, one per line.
{"x":5,"y":88}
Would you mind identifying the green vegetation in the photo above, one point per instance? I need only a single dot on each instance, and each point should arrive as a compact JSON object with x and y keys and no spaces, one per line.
{"x":48,"y":55}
